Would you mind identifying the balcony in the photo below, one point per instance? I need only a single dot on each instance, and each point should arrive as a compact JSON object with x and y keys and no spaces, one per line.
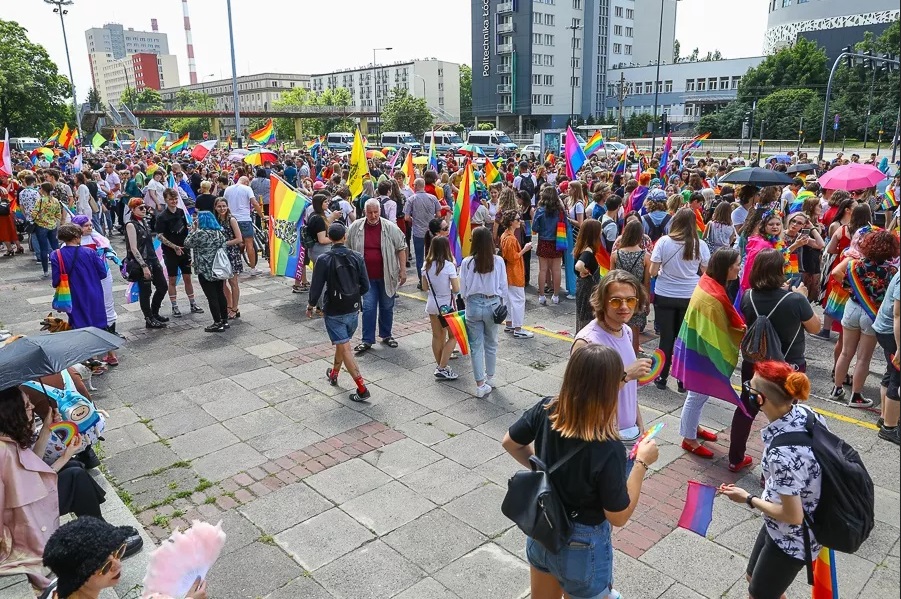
{"x":504,"y":88}
{"x":505,"y":48}
{"x":504,"y":7}
{"x":504,"y":108}
{"x":504,"y":69}
{"x":505,"y":28}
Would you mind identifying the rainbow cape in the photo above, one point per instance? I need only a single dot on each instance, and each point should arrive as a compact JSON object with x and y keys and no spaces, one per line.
{"x":264,"y":134}
{"x":798,"y":203}
{"x":465,"y":205}
{"x":699,"y":223}
{"x":492,"y":175}
{"x":637,"y":198}
{"x":890,"y":201}
{"x":286,"y":208}
{"x":179,"y":144}
{"x":707,"y":348}
{"x":595,"y":143}
{"x":14,"y":208}
{"x":825,"y":580}
{"x":561,"y":241}
{"x":456,"y":323}
{"x":856,"y":271}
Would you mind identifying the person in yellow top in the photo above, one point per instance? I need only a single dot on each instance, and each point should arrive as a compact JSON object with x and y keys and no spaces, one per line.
{"x":512,"y":252}
{"x":47,"y":216}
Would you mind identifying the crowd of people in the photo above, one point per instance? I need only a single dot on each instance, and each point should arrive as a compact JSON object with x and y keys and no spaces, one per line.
{"x":633,"y":245}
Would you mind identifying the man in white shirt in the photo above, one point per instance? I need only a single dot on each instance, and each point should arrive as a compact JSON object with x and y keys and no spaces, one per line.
{"x":791,"y":192}
{"x":240,"y":200}
{"x":388,"y":206}
{"x":115,"y":191}
{"x":526,"y":181}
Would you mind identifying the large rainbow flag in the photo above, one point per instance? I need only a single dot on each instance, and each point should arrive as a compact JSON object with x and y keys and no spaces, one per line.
{"x":798,"y":203}
{"x":286,"y":208}
{"x":465,"y":206}
{"x":621,"y":164}
{"x":66,"y":139}
{"x":492,"y":175}
{"x":179,"y":144}
{"x":573,"y":154}
{"x":707,"y":348}
{"x":53,"y":137}
{"x":264,"y":134}
{"x":595,"y":143}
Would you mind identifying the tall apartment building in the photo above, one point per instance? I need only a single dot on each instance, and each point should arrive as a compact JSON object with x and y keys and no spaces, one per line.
{"x":138,"y":71}
{"x":119,"y":42}
{"x":437,"y":81}
{"x":536,"y":61}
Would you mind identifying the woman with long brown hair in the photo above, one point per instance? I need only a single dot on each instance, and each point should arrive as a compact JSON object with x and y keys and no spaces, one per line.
{"x":548,"y":214}
{"x":440,"y":282}
{"x":579,"y":426}
{"x":233,"y":244}
{"x":585,"y":251}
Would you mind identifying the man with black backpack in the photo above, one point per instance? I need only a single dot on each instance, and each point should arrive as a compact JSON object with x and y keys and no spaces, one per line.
{"x":526,"y":181}
{"x":340,"y":277}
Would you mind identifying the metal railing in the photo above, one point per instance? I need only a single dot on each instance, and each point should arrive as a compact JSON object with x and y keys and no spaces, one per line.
{"x":504,"y":88}
{"x":504,"y":7}
{"x":504,"y":69}
{"x":505,"y":48}
{"x":505,"y":28}
{"x":505,"y":107}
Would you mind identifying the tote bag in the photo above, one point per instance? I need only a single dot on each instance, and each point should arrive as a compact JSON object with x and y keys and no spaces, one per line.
{"x":62,"y":298}
{"x":222,"y":266}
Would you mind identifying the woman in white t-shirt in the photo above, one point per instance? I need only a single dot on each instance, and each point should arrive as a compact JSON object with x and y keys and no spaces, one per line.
{"x":678,"y":260}
{"x":440,"y":282}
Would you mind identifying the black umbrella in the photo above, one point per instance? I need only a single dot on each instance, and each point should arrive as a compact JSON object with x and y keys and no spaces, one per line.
{"x":803,"y":167}
{"x":759,"y":177}
{"x":30,"y":358}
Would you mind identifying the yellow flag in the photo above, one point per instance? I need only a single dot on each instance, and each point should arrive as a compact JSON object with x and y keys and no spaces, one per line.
{"x":359,"y":169}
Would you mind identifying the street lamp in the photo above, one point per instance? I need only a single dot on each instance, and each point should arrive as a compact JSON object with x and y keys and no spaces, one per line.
{"x":59,"y":4}
{"x":231,"y":42}
{"x":375,"y":93}
{"x":657,"y":81}
{"x":572,"y":80}
{"x":423,"y":86}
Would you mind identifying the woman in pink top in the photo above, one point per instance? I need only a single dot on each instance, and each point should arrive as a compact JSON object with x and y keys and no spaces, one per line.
{"x":615,"y":300}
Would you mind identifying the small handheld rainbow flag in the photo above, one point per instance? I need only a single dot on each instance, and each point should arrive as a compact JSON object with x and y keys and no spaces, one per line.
{"x":179,"y":144}
{"x":492,"y":175}
{"x":648,"y":434}
{"x":825,"y":580}
{"x":433,"y":154}
{"x":264,"y":134}
{"x":561,"y":232}
{"x":697,"y":140}
{"x":456,"y":323}
{"x":595,"y":143}
{"x":890,"y":201}
{"x":698,"y":511}
{"x":53,"y":137}
{"x":621,"y":165}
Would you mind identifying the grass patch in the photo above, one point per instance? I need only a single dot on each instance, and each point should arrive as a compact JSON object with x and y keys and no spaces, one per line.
{"x":209,"y":500}
{"x":178,"y":513}
{"x":539,"y":365}
{"x":161,"y":520}
{"x":203,"y":485}
{"x":267,"y":539}
{"x":173,"y":485}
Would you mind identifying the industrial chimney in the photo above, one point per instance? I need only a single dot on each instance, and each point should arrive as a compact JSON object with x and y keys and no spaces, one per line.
{"x":192,"y":66}
{"x":153,"y":25}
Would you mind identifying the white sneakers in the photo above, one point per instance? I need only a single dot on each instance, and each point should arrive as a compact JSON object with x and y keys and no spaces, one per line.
{"x":523,"y":334}
{"x":483,"y":390}
{"x":542,"y":300}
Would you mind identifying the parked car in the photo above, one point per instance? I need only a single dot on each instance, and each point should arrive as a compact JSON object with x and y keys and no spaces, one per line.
{"x":532,"y":149}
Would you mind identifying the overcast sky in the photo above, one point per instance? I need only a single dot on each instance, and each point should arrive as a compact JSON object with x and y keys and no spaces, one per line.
{"x":310,"y":36}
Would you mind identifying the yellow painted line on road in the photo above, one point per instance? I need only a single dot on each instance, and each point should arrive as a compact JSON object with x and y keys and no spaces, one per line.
{"x":411,"y":296}
{"x":547,"y":333}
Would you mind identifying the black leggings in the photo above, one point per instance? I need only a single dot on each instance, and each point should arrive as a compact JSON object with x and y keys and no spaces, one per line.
{"x":215,"y":295}
{"x":150,"y":307}
{"x":527,"y":266}
{"x":669,"y":312}
{"x":771,"y":570}
{"x":78,"y":492}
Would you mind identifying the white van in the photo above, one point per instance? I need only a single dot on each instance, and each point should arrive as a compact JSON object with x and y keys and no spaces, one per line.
{"x":445,"y":141}
{"x":536,"y":139}
{"x":24,"y":144}
{"x":491,"y":141}
{"x":400,"y":139}
{"x":339,"y":142}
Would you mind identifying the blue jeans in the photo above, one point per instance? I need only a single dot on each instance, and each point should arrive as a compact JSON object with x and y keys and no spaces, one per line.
{"x":419,"y":248}
{"x":341,"y":327}
{"x":376,"y":300}
{"x":584,"y":567}
{"x":46,"y":241}
{"x":482,"y":334}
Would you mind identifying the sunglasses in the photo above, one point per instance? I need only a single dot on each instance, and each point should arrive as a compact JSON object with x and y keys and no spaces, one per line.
{"x":752,"y":393}
{"x":619,"y":302}
{"x":116,"y":556}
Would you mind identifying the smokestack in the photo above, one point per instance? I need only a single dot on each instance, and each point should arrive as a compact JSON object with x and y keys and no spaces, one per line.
{"x":192,"y":66}
{"x":153,"y":25}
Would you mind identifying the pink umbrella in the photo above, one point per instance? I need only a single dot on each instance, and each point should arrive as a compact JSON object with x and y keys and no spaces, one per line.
{"x":852,"y":177}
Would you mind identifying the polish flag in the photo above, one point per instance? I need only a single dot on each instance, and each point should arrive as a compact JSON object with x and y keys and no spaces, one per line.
{"x":201,"y":150}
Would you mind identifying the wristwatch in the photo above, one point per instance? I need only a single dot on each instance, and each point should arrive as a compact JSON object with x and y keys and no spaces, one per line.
{"x":749,"y":500}
{"x":625,"y":377}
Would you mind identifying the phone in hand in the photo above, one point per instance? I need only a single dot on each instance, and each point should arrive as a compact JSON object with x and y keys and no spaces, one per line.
{"x":805,"y":232}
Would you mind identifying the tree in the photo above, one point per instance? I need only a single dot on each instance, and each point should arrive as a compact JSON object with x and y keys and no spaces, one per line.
{"x":466,"y":94}
{"x":637,"y":124}
{"x":782,"y":112}
{"x":146,"y":99}
{"x":715,"y":55}
{"x":486,"y":126}
{"x":800,"y":66}
{"x":33,"y":95}
{"x":725,"y":122}
{"x":94,"y":99}
{"x":299,"y":97}
{"x":676,"y":48}
{"x":403,"y":112}
{"x":189,"y":100}
{"x":694,"y":56}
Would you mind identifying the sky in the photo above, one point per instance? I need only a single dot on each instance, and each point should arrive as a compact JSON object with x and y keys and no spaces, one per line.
{"x":308,"y":36}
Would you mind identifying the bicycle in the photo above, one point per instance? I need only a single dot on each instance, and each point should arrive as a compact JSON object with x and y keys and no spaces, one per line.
{"x":260,"y":240}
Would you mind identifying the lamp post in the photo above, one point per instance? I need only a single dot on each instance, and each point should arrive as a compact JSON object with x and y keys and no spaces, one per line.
{"x":231,"y":42}
{"x":572,"y":79}
{"x":657,"y":81}
{"x":375,"y":92}
{"x":59,"y":4}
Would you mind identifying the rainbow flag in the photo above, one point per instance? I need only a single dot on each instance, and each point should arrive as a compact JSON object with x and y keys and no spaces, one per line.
{"x":698,"y":511}
{"x":664,"y":157}
{"x":706,"y":349}
{"x":53,"y":137}
{"x":456,"y":323}
{"x":314,"y":143}
{"x":286,"y":208}
{"x":697,"y":140}
{"x":66,"y":138}
{"x":161,"y":142}
{"x":573,"y":155}
{"x":179,"y":144}
{"x":41,"y":152}
{"x":621,"y":164}
{"x":699,"y":223}
{"x":264,"y":134}
{"x":603,"y":258}
{"x":14,"y":207}
{"x":798,"y":203}
{"x":492,"y":175}
{"x":409,"y":171}
{"x":856,"y":270}
{"x":433,"y":155}
{"x":891,"y":199}
{"x":560,"y":239}
{"x":465,"y":205}
{"x":825,"y":580}
{"x":114,"y":139}
{"x":595,"y":143}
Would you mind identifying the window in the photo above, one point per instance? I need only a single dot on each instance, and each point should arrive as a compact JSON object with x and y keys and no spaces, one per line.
{"x":549,"y":19}
{"x":441,"y":72}
{"x":667,"y":86}
{"x":689,"y":110}
{"x":786,"y":3}
{"x":702,"y":85}
{"x":576,"y":43}
{"x":724,"y":83}
{"x":629,"y":49}
{"x":577,"y":23}
{"x":629,"y":31}
{"x":577,"y":4}
{"x":548,"y":99}
{"x":536,"y":18}
{"x":548,"y":39}
{"x":536,"y":99}
{"x":536,"y":79}
{"x":689,"y":85}
{"x":536,"y":60}
{"x":735,"y":80}
{"x":549,"y":80}
{"x":617,"y":48}
{"x":548,"y":60}
{"x":274,"y":83}
{"x":617,"y":30}
{"x":536,"y":39}
{"x":574,"y":82}
{"x":649,"y":87}
{"x":630,"y":14}
{"x":575,"y":63}
{"x":618,"y":11}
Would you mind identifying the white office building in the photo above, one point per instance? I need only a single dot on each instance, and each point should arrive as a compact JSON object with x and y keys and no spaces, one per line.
{"x":118,"y":42}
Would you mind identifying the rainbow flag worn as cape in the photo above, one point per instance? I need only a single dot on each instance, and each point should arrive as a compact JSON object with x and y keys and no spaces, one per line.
{"x":560,"y":240}
{"x":891,"y":199}
{"x":825,"y":580}
{"x":286,"y":208}
{"x":264,"y":134}
{"x":492,"y":175}
{"x":707,"y":348}
{"x":856,"y":273}
{"x":465,"y":205}
{"x":798,"y":203}
{"x":699,"y":223}
{"x":698,"y":511}
{"x":14,"y":207}
{"x":595,"y":143}
{"x":179,"y":144}
{"x":456,"y":323}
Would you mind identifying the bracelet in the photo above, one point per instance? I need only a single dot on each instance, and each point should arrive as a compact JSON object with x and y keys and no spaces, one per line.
{"x":749,"y":500}
{"x":643,"y":463}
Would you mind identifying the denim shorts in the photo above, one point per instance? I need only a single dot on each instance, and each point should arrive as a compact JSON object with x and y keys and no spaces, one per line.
{"x":584,"y":568}
{"x":246,"y":228}
{"x":855,"y":318}
{"x":341,"y":327}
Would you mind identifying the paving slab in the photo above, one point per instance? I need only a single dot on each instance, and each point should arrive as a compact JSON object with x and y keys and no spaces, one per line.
{"x":470,"y":449}
{"x":202,"y":441}
{"x":487,"y":571}
{"x":427,"y":588}
{"x":387,"y":507}
{"x":258,"y":422}
{"x":285,"y":507}
{"x":434,"y":540}
{"x":126,"y":437}
{"x":255,"y":379}
{"x":335,"y":421}
{"x":347,"y":480}
{"x":228,"y":461}
{"x":481,"y":509}
{"x":283,"y":440}
{"x":379,"y":572}
{"x":181,"y":422}
{"x":140,"y":461}
{"x":323,"y":538}
{"x":239,"y":531}
{"x":696,"y":563}
{"x":301,"y":588}
{"x":239,"y":574}
{"x":402,"y":457}
{"x":442,"y":481}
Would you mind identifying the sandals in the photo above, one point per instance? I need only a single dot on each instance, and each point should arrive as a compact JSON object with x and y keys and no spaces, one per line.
{"x":390,"y":342}
{"x":362,"y":348}
{"x":302,"y":288}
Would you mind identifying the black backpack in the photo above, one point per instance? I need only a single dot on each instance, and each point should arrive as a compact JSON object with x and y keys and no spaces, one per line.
{"x":656,"y":231}
{"x":382,"y":201}
{"x":761,"y":342}
{"x":844,"y":517}
{"x":527,"y":184}
{"x":343,"y":284}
